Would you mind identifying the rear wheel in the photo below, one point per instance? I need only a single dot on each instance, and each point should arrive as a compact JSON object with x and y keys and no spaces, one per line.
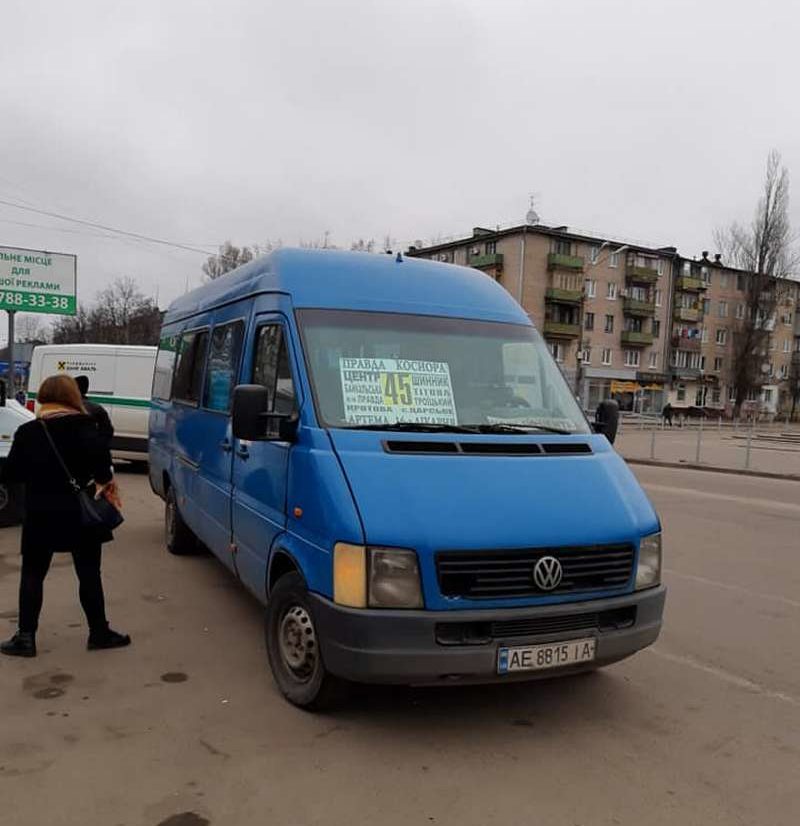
{"x":178,"y":536}
{"x":293,"y":648}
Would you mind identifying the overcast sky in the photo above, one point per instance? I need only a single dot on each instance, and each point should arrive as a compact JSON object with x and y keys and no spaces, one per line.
{"x":261,"y":120}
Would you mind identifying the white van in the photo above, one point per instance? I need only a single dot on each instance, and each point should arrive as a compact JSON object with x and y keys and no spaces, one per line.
{"x":120,"y":378}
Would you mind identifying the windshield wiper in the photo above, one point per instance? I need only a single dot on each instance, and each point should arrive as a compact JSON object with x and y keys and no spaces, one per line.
{"x":506,"y":427}
{"x":418,"y":427}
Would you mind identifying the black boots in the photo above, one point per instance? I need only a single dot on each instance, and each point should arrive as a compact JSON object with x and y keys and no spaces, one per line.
{"x":22,"y":644}
{"x":107,"y":639}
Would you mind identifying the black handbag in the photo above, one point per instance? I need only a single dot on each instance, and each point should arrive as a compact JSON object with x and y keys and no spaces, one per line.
{"x":94,"y":512}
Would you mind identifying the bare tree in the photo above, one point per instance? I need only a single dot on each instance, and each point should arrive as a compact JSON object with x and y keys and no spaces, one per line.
{"x":31,"y":329}
{"x":228,"y":258}
{"x":122,"y":314}
{"x":764,"y":251}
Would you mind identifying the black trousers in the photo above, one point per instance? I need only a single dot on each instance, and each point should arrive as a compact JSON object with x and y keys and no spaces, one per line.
{"x":35,"y":566}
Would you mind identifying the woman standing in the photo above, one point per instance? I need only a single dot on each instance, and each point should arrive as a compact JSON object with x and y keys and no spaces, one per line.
{"x":52,"y":511}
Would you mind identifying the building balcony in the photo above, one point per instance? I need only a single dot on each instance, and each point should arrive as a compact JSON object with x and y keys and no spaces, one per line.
{"x":556,"y":260}
{"x":691,"y":285}
{"x":641,"y":275}
{"x":481,"y":262}
{"x":635,"y":339}
{"x":687,"y":314}
{"x":558,"y":329}
{"x":633,"y":306}
{"x":686,"y":372}
{"x":557,"y":295}
{"x":691,"y":345}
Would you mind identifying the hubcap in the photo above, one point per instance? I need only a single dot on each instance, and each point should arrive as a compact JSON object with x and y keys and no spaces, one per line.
{"x":298,"y":642}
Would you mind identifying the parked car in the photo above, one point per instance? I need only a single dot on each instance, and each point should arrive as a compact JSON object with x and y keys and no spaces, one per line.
{"x":12,"y":415}
{"x":386,"y":455}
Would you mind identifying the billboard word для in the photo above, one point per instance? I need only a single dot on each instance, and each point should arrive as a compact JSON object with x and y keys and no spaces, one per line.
{"x":37,"y":282}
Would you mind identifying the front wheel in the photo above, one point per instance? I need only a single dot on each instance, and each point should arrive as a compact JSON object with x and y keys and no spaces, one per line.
{"x":293,"y":648}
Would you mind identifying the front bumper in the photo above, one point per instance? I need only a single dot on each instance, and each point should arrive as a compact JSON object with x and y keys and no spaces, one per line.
{"x":400,"y":647}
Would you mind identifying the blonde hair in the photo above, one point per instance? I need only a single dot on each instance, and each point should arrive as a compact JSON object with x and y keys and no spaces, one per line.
{"x":63,"y":390}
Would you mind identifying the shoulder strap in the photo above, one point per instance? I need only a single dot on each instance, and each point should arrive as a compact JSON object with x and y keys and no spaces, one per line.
{"x":70,"y":478}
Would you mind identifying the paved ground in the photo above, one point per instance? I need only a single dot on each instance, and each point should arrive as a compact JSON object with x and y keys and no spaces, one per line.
{"x":186,"y":728}
{"x":775,"y":449}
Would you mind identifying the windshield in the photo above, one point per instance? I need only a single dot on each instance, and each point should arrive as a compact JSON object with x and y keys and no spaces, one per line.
{"x":371,"y":369}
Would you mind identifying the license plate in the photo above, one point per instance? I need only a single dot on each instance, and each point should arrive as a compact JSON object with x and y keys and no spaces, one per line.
{"x":549,"y":655}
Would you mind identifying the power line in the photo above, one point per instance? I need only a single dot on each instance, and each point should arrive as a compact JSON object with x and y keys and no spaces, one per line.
{"x":95,"y":225}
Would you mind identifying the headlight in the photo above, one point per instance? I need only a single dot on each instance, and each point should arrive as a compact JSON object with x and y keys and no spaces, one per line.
{"x":648,"y":570}
{"x":375,"y":577}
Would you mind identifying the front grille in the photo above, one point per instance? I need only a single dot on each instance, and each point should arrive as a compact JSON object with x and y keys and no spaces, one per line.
{"x":480,"y":633}
{"x":499,"y":574}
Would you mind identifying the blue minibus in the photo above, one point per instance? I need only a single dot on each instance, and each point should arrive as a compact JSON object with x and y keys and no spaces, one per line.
{"x":383,"y":451}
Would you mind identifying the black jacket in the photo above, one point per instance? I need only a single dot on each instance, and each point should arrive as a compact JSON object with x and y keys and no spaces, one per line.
{"x":52,"y":516}
{"x":100,"y":416}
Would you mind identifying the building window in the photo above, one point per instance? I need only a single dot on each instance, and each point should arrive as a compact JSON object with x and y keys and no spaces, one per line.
{"x":768,"y":395}
{"x":716,"y":395}
{"x":723,"y":309}
{"x":611,"y":291}
{"x":562,"y":247}
{"x":588,"y":321}
{"x":653,"y":361}
{"x":586,"y":355}
{"x":594,"y":254}
{"x":609,"y":323}
{"x":740,"y":283}
{"x":631,"y":358}
{"x":660,"y":264}
{"x":740,"y":311}
{"x":704,"y":335}
{"x":613,"y":259}
{"x":557,"y":350}
{"x":784,"y":371}
{"x":491,"y":247}
{"x":656,"y":328}
{"x":658,"y":297}
{"x":722,"y":336}
{"x":731,"y":394}
{"x":705,"y":274}
{"x":717,"y":364}
{"x":607,"y":356}
{"x":786,"y":345}
{"x":723,"y":280}
{"x":696,"y":361}
{"x":707,"y":306}
{"x":787,"y":319}
{"x":591,"y":288}
{"x":681,"y":393}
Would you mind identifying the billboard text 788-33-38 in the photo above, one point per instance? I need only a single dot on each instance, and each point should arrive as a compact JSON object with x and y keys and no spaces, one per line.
{"x":34,"y":281}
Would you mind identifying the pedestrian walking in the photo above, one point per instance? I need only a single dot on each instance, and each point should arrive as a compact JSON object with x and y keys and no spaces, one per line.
{"x":667,"y":414}
{"x":54,"y":523}
{"x":96,"y":412}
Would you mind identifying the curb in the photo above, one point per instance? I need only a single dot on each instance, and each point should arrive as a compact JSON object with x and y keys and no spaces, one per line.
{"x":761,"y":474}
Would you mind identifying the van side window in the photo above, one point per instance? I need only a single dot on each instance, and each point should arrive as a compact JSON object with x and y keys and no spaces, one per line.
{"x":165,"y":365}
{"x":223,"y":366}
{"x":189,"y":371}
{"x":271,"y":368}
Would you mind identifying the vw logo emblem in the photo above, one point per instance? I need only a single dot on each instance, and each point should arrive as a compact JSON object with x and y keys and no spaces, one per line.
{"x":547,"y":573}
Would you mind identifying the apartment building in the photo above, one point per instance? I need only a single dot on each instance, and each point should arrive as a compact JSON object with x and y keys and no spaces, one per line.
{"x":709,"y":308}
{"x":602,"y":305}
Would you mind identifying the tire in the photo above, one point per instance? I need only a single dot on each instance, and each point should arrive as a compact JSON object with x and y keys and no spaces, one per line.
{"x":178,"y":536}
{"x":12,"y":505}
{"x":293,"y":648}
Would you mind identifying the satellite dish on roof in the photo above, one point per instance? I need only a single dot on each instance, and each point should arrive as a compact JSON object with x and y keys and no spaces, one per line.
{"x":532,"y":216}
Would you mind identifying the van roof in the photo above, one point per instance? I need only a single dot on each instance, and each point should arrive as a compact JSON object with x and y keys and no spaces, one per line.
{"x":331,"y":279}
{"x":96,"y":349}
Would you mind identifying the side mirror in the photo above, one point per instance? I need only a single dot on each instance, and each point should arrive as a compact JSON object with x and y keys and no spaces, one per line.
{"x":251,"y":420}
{"x":606,"y":419}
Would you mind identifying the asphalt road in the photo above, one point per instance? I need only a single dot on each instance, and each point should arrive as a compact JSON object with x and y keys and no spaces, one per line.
{"x":186,"y":728}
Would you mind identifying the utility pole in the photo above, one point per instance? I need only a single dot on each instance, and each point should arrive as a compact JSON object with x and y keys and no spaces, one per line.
{"x":11,"y":370}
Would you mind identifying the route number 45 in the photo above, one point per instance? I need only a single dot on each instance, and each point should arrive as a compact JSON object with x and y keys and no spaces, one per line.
{"x":397,"y":389}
